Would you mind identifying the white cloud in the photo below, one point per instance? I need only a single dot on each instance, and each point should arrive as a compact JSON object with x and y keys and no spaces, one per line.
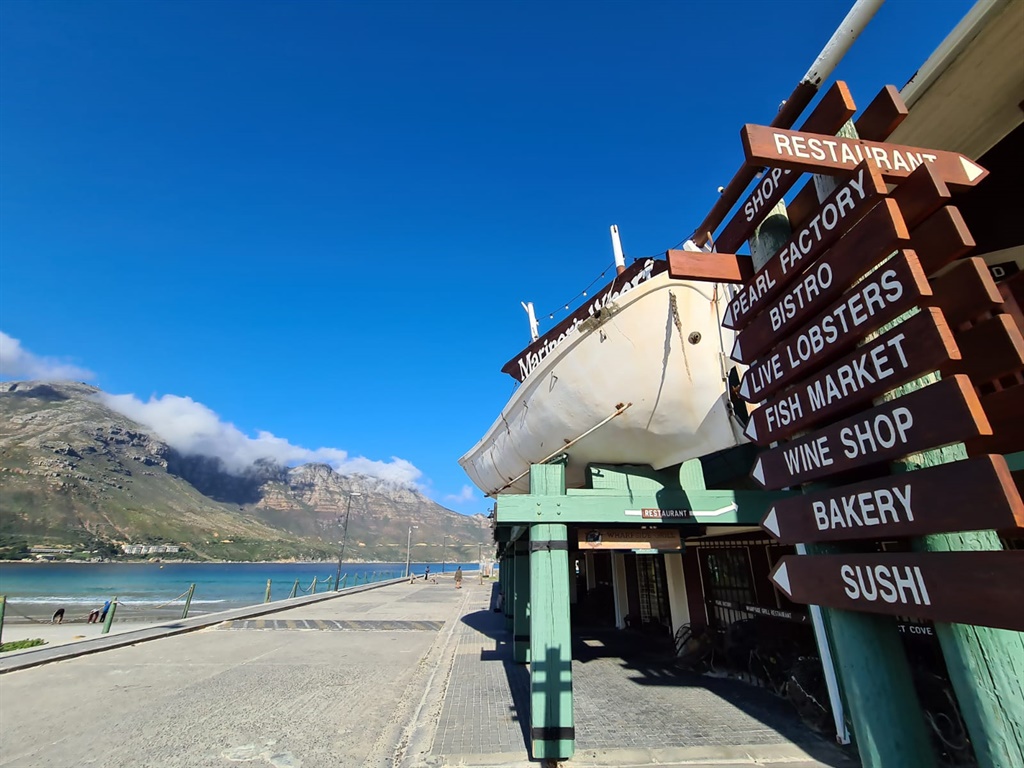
{"x":16,"y":362}
{"x":192,"y":428}
{"x":465,"y":495}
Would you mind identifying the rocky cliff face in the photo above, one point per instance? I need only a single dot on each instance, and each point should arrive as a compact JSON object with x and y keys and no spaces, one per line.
{"x":73,"y":471}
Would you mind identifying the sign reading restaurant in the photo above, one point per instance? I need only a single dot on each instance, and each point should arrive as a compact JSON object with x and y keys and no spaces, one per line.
{"x":640,"y":272}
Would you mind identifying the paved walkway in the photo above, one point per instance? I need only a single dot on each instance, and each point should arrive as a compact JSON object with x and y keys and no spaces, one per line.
{"x":407,"y":676}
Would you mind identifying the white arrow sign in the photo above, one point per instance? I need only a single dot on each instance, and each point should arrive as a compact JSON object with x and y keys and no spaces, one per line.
{"x":781,"y":578}
{"x":771,"y":522}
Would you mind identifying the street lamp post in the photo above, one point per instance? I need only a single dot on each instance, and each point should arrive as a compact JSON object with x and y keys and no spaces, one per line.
{"x":408,"y":549}
{"x":344,"y":539}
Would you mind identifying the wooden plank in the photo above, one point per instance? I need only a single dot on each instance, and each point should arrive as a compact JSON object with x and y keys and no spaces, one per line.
{"x":966,"y":291}
{"x":942,"y":239}
{"x":881,"y":297}
{"x":819,"y":153}
{"x":980,"y":588}
{"x":873,"y":239}
{"x":831,"y":113}
{"x":917,"y":346}
{"x":840,"y":211}
{"x":942,"y":413}
{"x":973,"y":495}
{"x":1005,"y":412}
{"x":629,"y":538}
{"x":713,"y":267}
{"x":881,"y":117}
{"x":989,"y":350}
{"x":1012,"y":291}
{"x":802,"y":207}
{"x":921,"y":194}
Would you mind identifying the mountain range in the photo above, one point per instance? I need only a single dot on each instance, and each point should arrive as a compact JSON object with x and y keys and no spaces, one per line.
{"x":75,"y":473}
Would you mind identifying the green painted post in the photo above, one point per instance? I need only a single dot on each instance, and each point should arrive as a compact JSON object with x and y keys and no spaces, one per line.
{"x":313,"y":588}
{"x":870,"y":662}
{"x":521,"y":603}
{"x":295,"y":589}
{"x":3,"y":607}
{"x":188,"y":601}
{"x":344,"y":580}
{"x":510,"y":592}
{"x":266,"y":598}
{"x":552,"y":734}
{"x":110,"y":617}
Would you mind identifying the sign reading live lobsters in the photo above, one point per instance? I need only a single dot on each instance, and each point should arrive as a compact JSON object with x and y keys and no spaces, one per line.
{"x":945,"y":412}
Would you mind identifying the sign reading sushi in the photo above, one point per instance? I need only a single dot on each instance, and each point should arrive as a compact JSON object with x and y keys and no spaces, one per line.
{"x":640,"y":272}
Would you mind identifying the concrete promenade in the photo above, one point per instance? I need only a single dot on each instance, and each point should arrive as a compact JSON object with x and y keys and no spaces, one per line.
{"x":406,"y":675}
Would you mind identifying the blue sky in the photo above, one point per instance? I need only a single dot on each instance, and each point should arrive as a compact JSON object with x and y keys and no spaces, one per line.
{"x":316,"y":220}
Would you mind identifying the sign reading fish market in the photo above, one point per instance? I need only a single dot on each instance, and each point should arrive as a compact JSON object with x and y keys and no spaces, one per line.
{"x":523,"y":364}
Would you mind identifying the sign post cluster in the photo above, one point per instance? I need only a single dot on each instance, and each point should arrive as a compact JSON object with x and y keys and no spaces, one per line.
{"x":853,"y":266}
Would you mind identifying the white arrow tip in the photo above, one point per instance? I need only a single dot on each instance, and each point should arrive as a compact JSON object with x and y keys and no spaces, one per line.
{"x":745,"y":387}
{"x":758,"y":472}
{"x":973,"y":171}
{"x":737,"y":353}
{"x":751,"y":430}
{"x":727,"y":317}
{"x":771,"y":523}
{"x":781,"y":578}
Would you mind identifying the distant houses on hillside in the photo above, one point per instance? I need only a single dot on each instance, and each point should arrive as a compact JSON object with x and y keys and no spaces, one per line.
{"x":149,"y":549}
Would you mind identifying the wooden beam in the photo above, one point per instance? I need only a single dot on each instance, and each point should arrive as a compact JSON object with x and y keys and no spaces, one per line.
{"x":966,"y":291}
{"x":1005,"y":411}
{"x":521,"y":609}
{"x":713,"y":267}
{"x":990,"y":350}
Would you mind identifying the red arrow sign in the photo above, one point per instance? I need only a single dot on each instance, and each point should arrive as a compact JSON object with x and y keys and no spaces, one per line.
{"x":980,"y":588}
{"x":818,"y":153}
{"x":933,"y":500}
{"x":940,"y":414}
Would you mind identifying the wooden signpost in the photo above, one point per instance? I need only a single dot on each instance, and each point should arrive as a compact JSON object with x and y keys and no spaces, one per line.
{"x":960,"y":587}
{"x":883,"y":296}
{"x":818,"y":153}
{"x":917,"y":503}
{"x":917,"y":346}
{"x":942,"y":413}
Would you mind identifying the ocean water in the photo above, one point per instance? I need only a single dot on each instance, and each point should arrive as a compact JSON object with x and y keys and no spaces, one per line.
{"x":35,"y":590}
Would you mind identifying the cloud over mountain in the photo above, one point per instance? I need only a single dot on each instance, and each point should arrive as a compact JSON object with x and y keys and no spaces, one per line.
{"x":16,"y":362}
{"x":194,"y":429}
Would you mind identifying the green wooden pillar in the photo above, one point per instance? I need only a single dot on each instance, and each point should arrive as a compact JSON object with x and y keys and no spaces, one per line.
{"x":188,"y":601}
{"x":508,"y":607}
{"x":552,"y":734}
{"x":521,"y":607}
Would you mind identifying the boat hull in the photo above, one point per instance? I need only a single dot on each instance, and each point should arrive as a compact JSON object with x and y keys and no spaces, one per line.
{"x":655,"y":356}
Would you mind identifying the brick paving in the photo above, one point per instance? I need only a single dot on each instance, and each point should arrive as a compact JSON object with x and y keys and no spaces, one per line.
{"x":618,"y":704}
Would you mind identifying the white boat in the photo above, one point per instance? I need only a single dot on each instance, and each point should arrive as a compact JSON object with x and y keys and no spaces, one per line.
{"x":639,"y":375}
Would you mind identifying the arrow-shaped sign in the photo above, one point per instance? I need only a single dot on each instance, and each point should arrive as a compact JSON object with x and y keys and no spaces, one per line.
{"x":781,"y":578}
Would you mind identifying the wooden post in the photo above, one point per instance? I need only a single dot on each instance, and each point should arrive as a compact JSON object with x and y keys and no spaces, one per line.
{"x":110,"y":617}
{"x":521,"y":604}
{"x":552,"y":735}
{"x":3,"y":607}
{"x":295,"y":589}
{"x":509,"y":607}
{"x":312,"y":590}
{"x":266,"y":597}
{"x":188,"y":601}
{"x":870,"y":662}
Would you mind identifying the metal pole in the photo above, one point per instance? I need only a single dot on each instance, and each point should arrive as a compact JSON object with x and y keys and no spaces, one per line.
{"x":344,"y":534}
{"x":188,"y":601}
{"x":444,"y":551}
{"x":408,"y":551}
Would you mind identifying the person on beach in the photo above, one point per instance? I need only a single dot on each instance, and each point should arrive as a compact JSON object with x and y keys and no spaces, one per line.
{"x":58,"y":616}
{"x":426,"y":574}
{"x":94,"y":616}
{"x":458,"y":577}
{"x":103,"y":613}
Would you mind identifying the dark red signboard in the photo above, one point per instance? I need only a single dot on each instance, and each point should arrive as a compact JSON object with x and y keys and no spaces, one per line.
{"x":839,"y":211}
{"x":933,"y":500}
{"x":883,"y":296}
{"x":818,"y":153}
{"x":980,"y":588}
{"x":913,"y":348}
{"x":874,"y":238}
{"x":942,"y":413}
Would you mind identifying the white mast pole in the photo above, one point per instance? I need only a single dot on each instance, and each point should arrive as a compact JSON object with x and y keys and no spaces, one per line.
{"x":620,"y":259}
{"x":528,"y":306}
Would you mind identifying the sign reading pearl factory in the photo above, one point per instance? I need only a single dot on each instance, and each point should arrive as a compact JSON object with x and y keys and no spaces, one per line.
{"x":945,"y":412}
{"x":915,"y":503}
{"x":818,"y":153}
{"x":980,"y":588}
